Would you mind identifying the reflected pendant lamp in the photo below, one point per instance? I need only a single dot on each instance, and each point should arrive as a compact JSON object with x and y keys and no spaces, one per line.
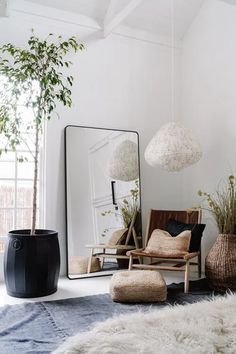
{"x":173,"y":147}
{"x":123,"y":164}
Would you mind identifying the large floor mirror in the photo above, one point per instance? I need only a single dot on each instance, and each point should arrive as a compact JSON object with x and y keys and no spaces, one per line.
{"x":103,"y":199}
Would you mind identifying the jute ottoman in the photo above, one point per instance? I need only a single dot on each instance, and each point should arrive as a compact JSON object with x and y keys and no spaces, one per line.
{"x":138,"y":286}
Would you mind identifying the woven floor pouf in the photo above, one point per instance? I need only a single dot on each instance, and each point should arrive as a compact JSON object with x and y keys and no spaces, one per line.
{"x":138,"y":286}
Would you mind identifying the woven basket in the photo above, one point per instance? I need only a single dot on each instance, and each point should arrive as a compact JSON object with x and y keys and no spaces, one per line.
{"x":220,"y":265}
{"x":79,"y":265}
{"x":138,"y":286}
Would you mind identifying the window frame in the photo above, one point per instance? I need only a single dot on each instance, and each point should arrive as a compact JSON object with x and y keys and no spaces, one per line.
{"x":41,"y":205}
{"x":41,"y":190}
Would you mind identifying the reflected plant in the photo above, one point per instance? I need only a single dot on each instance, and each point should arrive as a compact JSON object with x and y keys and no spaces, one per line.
{"x":222,"y":205}
{"x":126,"y":208}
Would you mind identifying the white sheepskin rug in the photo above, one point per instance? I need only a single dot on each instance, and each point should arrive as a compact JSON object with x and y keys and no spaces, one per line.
{"x":204,"y":327}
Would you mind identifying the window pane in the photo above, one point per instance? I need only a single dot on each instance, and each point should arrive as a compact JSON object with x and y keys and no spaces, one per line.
{"x":24,"y":194}
{"x":2,"y":246}
{"x":23,"y":218}
{"x":9,"y":156}
{"x":7,"y":169}
{"x":24,"y":198}
{"x":25,"y":155}
{"x":7,"y":190}
{"x":16,"y":178}
{"x":2,"y":243}
{"x":28,"y":115}
{"x":6,"y":224}
{"x":27,"y":142}
{"x":25,"y":169}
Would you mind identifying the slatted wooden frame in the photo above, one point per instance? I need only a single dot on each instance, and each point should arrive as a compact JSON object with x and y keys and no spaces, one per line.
{"x":157,"y":220}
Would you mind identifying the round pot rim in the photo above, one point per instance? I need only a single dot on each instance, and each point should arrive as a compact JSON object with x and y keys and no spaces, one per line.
{"x":26,"y":233}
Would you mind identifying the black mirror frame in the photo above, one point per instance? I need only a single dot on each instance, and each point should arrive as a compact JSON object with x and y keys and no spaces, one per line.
{"x":66,"y":196}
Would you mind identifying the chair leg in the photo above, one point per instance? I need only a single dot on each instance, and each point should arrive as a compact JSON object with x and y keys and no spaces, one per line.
{"x":186,"y":278}
{"x":199,"y":266}
{"x":130,"y":262}
{"x":102,"y":260}
{"x":90,"y":261}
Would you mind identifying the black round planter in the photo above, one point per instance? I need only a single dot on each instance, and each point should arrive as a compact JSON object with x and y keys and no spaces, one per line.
{"x":31,"y":263}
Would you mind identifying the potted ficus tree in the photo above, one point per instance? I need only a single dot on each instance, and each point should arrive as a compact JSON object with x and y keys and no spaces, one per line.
{"x":33,"y":81}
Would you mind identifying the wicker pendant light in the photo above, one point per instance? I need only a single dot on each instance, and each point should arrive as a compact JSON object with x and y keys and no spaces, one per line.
{"x":123,"y":164}
{"x":172,"y":147}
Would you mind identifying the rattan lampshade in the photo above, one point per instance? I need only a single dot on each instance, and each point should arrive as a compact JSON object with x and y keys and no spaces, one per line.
{"x":123,"y":164}
{"x":173,"y":147}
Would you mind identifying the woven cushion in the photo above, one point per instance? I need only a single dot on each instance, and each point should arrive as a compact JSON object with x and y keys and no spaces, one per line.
{"x":79,"y":265}
{"x":174,"y":227}
{"x":117,"y":237}
{"x":138,"y":286}
{"x":162,"y":243}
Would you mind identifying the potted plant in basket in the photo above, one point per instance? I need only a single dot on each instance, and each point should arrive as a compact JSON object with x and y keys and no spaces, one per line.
{"x":34,"y":78}
{"x":220,"y":264}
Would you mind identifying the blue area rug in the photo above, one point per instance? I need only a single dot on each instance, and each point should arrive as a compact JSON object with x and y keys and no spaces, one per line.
{"x":42,"y":326}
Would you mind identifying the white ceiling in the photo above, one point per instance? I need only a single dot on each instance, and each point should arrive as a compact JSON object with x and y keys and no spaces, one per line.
{"x":155,"y":16}
{"x":149,"y":15}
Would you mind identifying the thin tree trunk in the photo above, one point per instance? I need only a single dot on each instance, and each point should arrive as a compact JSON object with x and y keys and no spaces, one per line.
{"x":34,"y":211}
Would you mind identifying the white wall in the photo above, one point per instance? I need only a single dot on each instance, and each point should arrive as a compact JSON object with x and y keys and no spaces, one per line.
{"x":125,"y":83}
{"x":209,"y":101}
{"x":119,"y":83}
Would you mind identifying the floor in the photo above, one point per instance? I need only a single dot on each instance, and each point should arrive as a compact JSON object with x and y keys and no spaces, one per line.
{"x":82,"y":287}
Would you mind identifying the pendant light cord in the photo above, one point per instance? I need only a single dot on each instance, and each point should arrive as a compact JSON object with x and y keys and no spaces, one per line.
{"x":172,"y":61}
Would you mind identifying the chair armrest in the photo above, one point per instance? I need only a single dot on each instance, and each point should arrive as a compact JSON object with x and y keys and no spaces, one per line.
{"x":135,"y":252}
{"x":142,"y":253}
{"x":191,"y":255}
{"x":116,"y":247}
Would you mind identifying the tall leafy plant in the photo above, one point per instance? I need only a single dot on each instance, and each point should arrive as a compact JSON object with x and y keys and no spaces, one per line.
{"x":35,"y":78}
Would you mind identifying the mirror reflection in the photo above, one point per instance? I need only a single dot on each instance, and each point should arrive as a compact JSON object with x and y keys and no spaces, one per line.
{"x":103,"y":199}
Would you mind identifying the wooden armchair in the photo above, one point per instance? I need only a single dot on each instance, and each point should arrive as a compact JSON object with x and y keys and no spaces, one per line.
{"x":119,"y":247}
{"x":158,"y":220}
